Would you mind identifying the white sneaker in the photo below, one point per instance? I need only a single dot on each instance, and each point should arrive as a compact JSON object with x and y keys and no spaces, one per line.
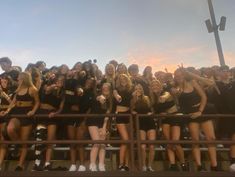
{"x":73,"y":167}
{"x":144,"y":168}
{"x":81,"y":168}
{"x":150,"y":169}
{"x":92,"y":167}
{"x":101,"y":167}
{"x":232,"y":167}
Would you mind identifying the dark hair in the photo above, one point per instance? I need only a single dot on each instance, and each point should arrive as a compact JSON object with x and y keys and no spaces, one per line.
{"x":5,"y":60}
{"x":38,"y":63}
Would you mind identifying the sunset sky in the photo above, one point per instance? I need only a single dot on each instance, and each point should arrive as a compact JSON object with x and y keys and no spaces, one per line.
{"x":160,"y":33}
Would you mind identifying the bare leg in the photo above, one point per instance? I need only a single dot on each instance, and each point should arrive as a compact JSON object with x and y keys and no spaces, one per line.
{"x":51,"y":135}
{"x":175,"y":135}
{"x":124,"y":155}
{"x":143,"y":136}
{"x":71,"y":135}
{"x":194,"y":132}
{"x":167,"y":136}
{"x":208,"y":129}
{"x":24,"y":135}
{"x":151,"y":134}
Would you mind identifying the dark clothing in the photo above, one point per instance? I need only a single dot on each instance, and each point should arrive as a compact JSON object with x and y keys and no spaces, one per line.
{"x":146,"y":123}
{"x":126,"y":98}
{"x":162,"y":108}
{"x":190,"y":103}
{"x":226,"y":106}
{"x":24,"y":121}
{"x":97,"y":108}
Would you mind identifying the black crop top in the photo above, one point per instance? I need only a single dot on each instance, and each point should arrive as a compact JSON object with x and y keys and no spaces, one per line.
{"x":126,"y":98}
{"x":99,"y":108}
{"x":163,"y":107}
{"x":70,"y":92}
{"x":50,"y":99}
{"x":142,"y":107}
{"x":187,"y":102}
{"x":25,"y":97}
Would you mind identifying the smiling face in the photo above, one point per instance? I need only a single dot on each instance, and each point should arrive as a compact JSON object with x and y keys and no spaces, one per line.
{"x":123,"y":81}
{"x":4,"y":83}
{"x":156,"y":86}
{"x":106,"y":89}
{"x":110,"y":70}
{"x":179,"y":77}
{"x":122,"y":69}
{"x":139,"y":90}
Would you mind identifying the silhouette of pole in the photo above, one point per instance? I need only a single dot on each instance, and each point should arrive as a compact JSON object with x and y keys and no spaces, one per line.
{"x":216,"y":33}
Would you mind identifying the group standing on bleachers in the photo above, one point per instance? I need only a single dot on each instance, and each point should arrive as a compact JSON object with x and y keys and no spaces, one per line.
{"x":84,"y":89}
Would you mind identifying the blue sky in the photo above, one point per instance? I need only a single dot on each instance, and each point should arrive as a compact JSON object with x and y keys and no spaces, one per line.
{"x":160,"y":33}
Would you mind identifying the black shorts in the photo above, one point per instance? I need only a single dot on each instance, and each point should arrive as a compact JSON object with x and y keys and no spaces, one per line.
{"x":72,"y":121}
{"x":45,"y":121}
{"x":95,"y":121}
{"x":174,"y":121}
{"x":24,"y":121}
{"x":147,"y":123}
{"x":123,"y":119}
{"x":209,"y":109}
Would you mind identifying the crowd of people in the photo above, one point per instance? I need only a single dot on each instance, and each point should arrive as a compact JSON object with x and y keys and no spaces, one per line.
{"x":121,"y":89}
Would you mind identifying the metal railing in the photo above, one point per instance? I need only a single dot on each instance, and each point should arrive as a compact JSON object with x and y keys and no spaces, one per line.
{"x":132,"y":142}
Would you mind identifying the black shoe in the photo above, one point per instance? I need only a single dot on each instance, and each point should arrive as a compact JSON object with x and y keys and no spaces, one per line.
{"x":37,"y":168}
{"x":216,"y":168}
{"x":18,"y":168}
{"x":123,"y":168}
{"x":47,"y":168}
{"x":201,"y":169}
{"x":173,"y":167}
{"x":126,"y":168}
{"x":184,"y":167}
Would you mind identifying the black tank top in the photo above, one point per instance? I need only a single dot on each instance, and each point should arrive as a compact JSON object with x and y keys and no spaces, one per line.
{"x":187,"y":102}
{"x":25,"y":97}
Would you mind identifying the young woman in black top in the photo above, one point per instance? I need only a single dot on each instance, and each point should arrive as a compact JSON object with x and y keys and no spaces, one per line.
{"x":192,"y":100}
{"x":97,"y":126}
{"x":71,"y":105}
{"x":5,"y":100}
{"x":123,"y":95}
{"x":50,"y":97}
{"x":140,"y":104}
{"x":25,"y":102}
{"x":164,"y":103}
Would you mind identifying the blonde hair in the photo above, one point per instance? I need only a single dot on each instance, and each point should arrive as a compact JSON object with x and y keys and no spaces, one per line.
{"x":128,"y":81}
{"x":110,"y":78}
{"x":26,"y":80}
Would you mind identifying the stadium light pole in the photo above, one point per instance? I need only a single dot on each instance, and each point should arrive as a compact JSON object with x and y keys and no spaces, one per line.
{"x":213,"y":27}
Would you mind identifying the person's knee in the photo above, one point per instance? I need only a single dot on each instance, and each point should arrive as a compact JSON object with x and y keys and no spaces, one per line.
{"x":151,"y":147}
{"x":11,"y":129}
{"x":143,"y":146}
{"x":210,"y":138}
{"x":96,"y":145}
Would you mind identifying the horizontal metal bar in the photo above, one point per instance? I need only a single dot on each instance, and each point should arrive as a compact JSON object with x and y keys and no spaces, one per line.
{"x":115,"y":174}
{"x":69,"y":142}
{"x":229,"y":142}
{"x":72,"y":116}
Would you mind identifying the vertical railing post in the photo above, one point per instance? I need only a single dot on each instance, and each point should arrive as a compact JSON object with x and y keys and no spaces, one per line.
{"x":132,"y":143}
{"x":140,"y":160}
